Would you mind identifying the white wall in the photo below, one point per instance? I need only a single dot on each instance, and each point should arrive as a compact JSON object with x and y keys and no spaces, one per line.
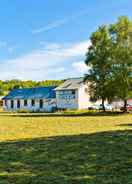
{"x":83,"y":97}
{"x":6,"y":104}
{"x":47,"y":105}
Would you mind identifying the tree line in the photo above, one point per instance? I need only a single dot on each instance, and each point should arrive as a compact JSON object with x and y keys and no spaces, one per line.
{"x":109,"y":59}
{"x":6,"y":86}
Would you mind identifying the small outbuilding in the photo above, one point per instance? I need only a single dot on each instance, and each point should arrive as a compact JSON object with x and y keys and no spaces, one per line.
{"x":39,"y":99}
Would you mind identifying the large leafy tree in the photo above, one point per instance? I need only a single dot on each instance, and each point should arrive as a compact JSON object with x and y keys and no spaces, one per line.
{"x":98,"y":59}
{"x":121,"y":36}
{"x":110,"y":61}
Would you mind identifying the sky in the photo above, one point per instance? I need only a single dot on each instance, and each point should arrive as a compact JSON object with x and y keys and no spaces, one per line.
{"x":48,"y":39}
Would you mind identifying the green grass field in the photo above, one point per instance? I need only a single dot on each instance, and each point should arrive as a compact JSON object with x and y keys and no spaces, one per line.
{"x":79,"y":149}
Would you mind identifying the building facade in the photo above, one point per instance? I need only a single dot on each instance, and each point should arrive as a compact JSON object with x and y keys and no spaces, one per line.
{"x":41,"y":99}
{"x":73,"y":94}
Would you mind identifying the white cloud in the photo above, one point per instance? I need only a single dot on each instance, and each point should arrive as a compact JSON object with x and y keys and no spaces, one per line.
{"x":80,"y":67}
{"x":53,"y":61}
{"x":58,"y":23}
{"x":50,"y":26}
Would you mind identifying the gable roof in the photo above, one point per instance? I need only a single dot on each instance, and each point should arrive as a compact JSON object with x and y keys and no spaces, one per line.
{"x":31,"y":93}
{"x":69,"y":84}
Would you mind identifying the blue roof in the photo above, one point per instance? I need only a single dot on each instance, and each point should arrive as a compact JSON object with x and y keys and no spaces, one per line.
{"x":31,"y":93}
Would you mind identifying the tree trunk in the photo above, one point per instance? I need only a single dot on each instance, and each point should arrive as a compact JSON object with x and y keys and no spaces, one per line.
{"x":125,"y":105}
{"x":103,"y":105}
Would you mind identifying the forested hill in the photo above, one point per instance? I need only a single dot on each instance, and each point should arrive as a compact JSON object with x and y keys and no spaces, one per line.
{"x":6,"y":86}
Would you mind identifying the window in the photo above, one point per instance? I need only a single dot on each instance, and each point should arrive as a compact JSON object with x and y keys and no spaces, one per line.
{"x":41,"y":104}
{"x":25,"y":102}
{"x":33,"y":102}
{"x":18,"y":104}
{"x":67,"y":92}
{"x":61,"y":92}
{"x":73,"y":92}
{"x":5,"y":102}
{"x":12,"y":104}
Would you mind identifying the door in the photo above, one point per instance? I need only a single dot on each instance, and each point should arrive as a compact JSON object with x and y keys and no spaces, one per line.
{"x":41,"y":104}
{"x":18,"y":104}
{"x":12,"y":104}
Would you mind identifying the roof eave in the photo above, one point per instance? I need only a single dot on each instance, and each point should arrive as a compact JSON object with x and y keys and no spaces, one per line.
{"x":62,"y":89}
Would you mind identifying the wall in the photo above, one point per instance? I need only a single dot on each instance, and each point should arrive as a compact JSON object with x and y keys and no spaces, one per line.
{"x":83,"y":97}
{"x":67,"y":101}
{"x":81,"y":101}
{"x":47,"y":105}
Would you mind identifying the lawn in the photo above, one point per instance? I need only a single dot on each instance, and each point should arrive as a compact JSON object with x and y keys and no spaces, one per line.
{"x":56,"y":149}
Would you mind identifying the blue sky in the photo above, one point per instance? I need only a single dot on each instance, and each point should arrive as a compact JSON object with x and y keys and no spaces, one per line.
{"x":48,"y":39}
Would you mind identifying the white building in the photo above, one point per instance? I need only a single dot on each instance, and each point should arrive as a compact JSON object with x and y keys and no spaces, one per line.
{"x":37,"y":99}
{"x":73,"y":94}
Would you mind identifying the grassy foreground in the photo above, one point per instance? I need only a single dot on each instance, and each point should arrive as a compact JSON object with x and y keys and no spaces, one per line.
{"x":37,"y":149}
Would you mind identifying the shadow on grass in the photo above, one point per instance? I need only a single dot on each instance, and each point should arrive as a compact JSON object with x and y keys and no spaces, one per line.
{"x":126,"y":125}
{"x":62,"y":114}
{"x":101,"y":158}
